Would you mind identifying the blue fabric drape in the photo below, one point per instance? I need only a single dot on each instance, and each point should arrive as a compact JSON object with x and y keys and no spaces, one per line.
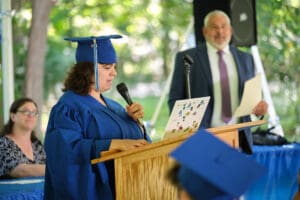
{"x":22,"y":189}
{"x":283,"y":164}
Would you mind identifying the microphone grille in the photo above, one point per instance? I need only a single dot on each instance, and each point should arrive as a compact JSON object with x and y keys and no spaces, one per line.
{"x":121,"y":87}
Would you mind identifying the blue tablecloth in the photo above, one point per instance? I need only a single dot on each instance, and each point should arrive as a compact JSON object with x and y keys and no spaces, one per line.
{"x":283,"y":164}
{"x":22,"y":189}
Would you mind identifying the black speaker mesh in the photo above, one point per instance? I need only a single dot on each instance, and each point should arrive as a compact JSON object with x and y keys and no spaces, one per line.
{"x":243,"y":20}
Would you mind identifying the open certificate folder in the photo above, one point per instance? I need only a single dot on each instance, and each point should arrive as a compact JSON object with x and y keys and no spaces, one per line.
{"x":252,"y":95}
{"x":186,"y":116}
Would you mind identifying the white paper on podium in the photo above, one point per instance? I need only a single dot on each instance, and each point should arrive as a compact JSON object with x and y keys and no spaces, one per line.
{"x":252,"y":95}
{"x":186,"y":116}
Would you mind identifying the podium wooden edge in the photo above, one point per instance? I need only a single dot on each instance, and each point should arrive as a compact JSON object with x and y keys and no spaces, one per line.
{"x":116,"y":154}
{"x":113,"y":154}
{"x":239,"y":126}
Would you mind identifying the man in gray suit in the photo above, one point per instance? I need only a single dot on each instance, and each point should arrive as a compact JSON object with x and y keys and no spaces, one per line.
{"x":205,"y":76}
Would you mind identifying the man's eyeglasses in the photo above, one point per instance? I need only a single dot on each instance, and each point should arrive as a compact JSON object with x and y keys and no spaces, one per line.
{"x":28,"y":113}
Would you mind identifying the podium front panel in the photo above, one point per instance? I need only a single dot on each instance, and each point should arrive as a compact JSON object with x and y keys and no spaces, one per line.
{"x":143,"y":175}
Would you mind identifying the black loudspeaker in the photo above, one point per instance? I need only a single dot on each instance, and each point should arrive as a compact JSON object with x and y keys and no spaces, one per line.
{"x":242,"y":14}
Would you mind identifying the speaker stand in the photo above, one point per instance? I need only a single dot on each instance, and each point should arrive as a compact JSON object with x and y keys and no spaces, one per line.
{"x":273,"y":118}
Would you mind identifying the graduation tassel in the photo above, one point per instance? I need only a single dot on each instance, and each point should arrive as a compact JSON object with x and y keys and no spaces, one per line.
{"x":95,"y":64}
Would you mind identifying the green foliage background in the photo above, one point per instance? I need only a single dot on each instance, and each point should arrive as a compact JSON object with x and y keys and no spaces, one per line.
{"x":155,"y":31}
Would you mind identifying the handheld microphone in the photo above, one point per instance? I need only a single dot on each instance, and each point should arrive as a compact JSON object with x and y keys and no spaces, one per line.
{"x":123,"y":90}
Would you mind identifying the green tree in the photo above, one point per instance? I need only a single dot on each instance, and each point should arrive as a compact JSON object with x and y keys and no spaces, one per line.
{"x":34,"y":73}
{"x":279,"y":44}
{"x":154,"y":31}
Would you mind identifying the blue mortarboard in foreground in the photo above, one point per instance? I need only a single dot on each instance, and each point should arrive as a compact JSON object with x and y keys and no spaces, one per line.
{"x":96,"y":50}
{"x":211,"y":169}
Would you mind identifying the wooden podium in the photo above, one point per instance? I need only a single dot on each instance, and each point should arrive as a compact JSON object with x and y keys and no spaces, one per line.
{"x":141,"y":173}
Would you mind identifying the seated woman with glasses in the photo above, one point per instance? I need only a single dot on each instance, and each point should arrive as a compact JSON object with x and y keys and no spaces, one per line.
{"x":22,"y":154}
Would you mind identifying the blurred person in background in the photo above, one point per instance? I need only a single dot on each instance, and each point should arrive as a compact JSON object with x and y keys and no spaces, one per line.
{"x":207,"y":78}
{"x":22,"y":154}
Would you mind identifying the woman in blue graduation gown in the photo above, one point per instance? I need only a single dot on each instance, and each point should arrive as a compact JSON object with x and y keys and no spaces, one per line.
{"x":84,"y":122}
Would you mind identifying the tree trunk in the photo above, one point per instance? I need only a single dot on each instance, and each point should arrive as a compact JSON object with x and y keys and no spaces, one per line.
{"x":34,"y":76}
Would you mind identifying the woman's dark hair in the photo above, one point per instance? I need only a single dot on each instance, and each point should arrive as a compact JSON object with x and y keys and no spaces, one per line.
{"x":7,"y":128}
{"x":80,"y":78}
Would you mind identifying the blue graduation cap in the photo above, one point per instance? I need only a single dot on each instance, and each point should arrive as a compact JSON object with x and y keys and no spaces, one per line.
{"x":211,"y":169}
{"x":96,"y":50}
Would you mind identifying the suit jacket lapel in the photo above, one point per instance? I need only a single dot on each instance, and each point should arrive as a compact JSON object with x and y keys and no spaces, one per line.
{"x":202,"y":50}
